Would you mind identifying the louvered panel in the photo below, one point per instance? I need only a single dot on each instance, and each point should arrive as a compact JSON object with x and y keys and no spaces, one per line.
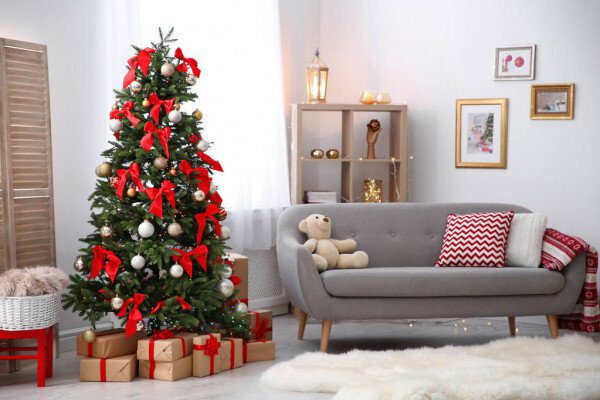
{"x":34,"y":234}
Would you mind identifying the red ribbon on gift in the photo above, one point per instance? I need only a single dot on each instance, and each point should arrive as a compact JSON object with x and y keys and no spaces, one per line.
{"x":214,"y":164}
{"x":135,"y":315}
{"x":211,"y":349}
{"x":260,"y":327}
{"x":134,"y":172}
{"x":232,"y":355}
{"x":185,"y":62}
{"x":244,"y":352}
{"x":164,"y":334}
{"x":155,"y":194}
{"x":103,"y":370}
{"x":156,"y":103}
{"x":185,"y":258}
{"x":163,"y":136}
{"x":208,"y":214}
{"x":125,"y":112}
{"x":142,"y":60}
{"x":106,"y":259}
{"x":203,"y":175}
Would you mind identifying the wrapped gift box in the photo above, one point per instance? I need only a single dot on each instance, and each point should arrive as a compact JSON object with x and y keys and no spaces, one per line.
{"x":166,"y":349}
{"x":166,"y":370}
{"x":109,"y":344}
{"x":258,"y":350}
{"x":116,"y":369}
{"x":231,"y":353}
{"x":261,"y":324}
{"x":207,"y":355}
{"x":240,"y":269}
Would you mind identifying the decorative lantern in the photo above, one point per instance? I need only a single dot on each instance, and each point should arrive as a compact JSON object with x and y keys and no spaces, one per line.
{"x":316,"y":80}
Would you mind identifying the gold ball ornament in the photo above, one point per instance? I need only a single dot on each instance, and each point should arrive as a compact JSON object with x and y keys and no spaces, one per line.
{"x":177,"y":106}
{"x":333,"y":154}
{"x":146,"y":103}
{"x":199,"y":195}
{"x":106,"y":231}
{"x":172,"y":172}
{"x":174,"y":229}
{"x":316,"y":153}
{"x":115,"y":106}
{"x":103,"y":170}
{"x":131,"y":192}
{"x":89,"y":336}
{"x":197,"y":114}
{"x":160,"y":162}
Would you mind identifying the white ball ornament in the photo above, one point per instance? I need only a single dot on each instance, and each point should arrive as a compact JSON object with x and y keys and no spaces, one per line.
{"x":138,"y":262}
{"x":106,"y":231}
{"x":191,"y":79}
{"x":225,"y":232}
{"x":135,"y":86}
{"x":115,"y":125}
{"x":175,"y":116}
{"x":241,"y":308}
{"x":203,"y":145}
{"x":213,"y":189}
{"x":176,"y":271}
{"x":174,"y":229}
{"x":167,"y":70}
{"x":226,"y":272}
{"x":226,"y":287}
{"x":199,"y":195}
{"x":116,"y":303}
{"x":146,"y":229}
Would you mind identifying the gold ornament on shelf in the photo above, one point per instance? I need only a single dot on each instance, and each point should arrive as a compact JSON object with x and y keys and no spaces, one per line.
{"x":367,"y":98}
{"x":316,"y":80}
{"x":106,"y":231}
{"x":103,"y":170}
{"x":317,"y":153}
{"x":160,"y":162}
{"x":172,"y":172}
{"x":373,"y":130}
{"x":131,"y":192}
{"x":89,"y":336}
{"x":197,"y":114}
{"x":372,"y":190}
{"x":333,"y":154}
{"x":146,"y":103}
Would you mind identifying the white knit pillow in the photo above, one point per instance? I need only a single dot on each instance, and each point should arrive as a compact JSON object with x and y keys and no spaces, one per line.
{"x":525,"y":240}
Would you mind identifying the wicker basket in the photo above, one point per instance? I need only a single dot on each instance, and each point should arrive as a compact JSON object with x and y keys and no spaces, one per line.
{"x":30,"y":312}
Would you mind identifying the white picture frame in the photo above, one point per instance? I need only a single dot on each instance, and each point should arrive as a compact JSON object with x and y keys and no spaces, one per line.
{"x":515,"y":63}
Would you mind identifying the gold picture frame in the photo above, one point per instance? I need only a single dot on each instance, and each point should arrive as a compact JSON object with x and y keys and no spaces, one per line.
{"x":481,"y":133}
{"x":552,"y":101}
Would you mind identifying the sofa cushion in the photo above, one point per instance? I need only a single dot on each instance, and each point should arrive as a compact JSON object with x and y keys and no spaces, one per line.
{"x":440,"y":282}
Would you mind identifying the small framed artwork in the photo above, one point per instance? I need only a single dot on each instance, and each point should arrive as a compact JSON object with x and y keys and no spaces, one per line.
{"x":481,"y":138}
{"x":515,"y":63}
{"x":552,"y":101}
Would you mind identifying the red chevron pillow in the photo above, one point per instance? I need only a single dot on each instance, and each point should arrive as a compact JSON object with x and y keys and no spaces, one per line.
{"x":475,"y":240}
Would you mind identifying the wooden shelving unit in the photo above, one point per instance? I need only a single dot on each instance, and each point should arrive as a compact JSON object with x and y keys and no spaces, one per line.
{"x":349,"y":161}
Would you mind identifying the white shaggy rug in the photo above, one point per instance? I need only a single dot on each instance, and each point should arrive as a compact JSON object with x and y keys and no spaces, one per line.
{"x":531,"y":368}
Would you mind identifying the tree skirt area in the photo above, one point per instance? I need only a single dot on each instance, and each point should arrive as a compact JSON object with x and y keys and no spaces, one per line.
{"x":532,"y":368}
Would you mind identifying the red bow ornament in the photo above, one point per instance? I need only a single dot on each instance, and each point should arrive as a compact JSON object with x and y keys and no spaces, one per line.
{"x":134,"y":172}
{"x":185,"y":258}
{"x":216,"y":199}
{"x":125,"y":112}
{"x":106,"y":259}
{"x":184,"y":304}
{"x":208,"y":214}
{"x":142,"y":60}
{"x":214,"y":164}
{"x":157,"y":307}
{"x":185,"y":62}
{"x":163,"y":136}
{"x":156,"y":103}
{"x":135,"y":315}
{"x":203,"y":175}
{"x":155,"y":194}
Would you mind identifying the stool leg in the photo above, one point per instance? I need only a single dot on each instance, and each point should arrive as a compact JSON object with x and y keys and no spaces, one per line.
{"x":49,"y":351}
{"x":41,"y":359}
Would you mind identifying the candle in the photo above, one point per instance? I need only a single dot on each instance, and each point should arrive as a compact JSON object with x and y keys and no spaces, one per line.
{"x":367,"y":97}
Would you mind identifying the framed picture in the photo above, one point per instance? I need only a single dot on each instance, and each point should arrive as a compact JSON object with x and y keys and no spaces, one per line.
{"x":481,"y":126}
{"x":552,"y":101}
{"x":515,"y":63}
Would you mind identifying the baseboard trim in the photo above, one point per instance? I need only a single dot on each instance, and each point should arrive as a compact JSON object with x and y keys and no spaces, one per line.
{"x":66,"y":338}
{"x":278,"y":304}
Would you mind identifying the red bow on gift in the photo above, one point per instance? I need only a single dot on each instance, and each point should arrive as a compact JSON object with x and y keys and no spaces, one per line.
{"x":203,"y":175}
{"x":209,"y":213}
{"x":156,"y":103}
{"x":106,"y":259}
{"x":125,"y":112}
{"x":134,"y":172}
{"x":155,"y":194}
{"x":135,"y":315}
{"x":163,"y":137}
{"x":260,"y":330}
{"x":214,"y":164}
{"x":185,"y":258}
{"x":183,"y":66}
{"x":162,"y":334}
{"x":142,"y":60}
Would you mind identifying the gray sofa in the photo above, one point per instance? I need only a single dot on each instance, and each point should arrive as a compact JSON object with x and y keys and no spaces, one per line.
{"x":403,"y":241}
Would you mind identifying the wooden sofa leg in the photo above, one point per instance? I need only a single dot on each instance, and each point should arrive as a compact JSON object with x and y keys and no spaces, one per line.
{"x":512,"y":326}
{"x":325,"y":332}
{"x":302,"y":317}
{"x":553,"y":325}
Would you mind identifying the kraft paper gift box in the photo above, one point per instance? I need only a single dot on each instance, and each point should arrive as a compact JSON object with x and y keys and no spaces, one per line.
{"x":167,"y":349}
{"x":116,"y":369}
{"x":109,"y":344}
{"x":231,"y":353}
{"x":166,"y":370}
{"x":258,"y":350}
{"x":261,"y":324}
{"x":207,"y":355}
{"x":240,"y":269}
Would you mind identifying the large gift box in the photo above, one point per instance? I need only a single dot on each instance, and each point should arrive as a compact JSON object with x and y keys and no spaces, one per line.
{"x":116,"y":369}
{"x":240,"y":270}
{"x":261,"y":324}
{"x":166,"y":370}
{"x":207,"y":355}
{"x":165,"y":346}
{"x":109,"y":344}
{"x":258,"y":350}
{"x":231,"y":353}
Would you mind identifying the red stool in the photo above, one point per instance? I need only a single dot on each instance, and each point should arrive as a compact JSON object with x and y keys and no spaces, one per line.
{"x":43,"y":350}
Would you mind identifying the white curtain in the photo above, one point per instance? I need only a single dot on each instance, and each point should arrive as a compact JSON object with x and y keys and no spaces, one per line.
{"x":237,"y":45}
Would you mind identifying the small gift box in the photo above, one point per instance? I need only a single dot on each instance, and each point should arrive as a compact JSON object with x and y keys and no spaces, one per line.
{"x":261,"y":324}
{"x":109,"y":344}
{"x":165,"y":346}
{"x":240,"y":270}
{"x":166,"y":370}
{"x":207,"y":356}
{"x":258,"y":350}
{"x":116,"y":369}
{"x":231,"y":353}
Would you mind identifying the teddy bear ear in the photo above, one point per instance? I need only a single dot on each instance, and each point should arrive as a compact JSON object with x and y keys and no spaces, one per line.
{"x":302,"y":226}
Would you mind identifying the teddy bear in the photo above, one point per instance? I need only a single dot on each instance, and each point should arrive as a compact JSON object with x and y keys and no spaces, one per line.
{"x":330,"y":253}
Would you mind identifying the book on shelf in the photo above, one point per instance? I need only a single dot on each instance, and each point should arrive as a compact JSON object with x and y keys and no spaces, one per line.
{"x":320,"y":196}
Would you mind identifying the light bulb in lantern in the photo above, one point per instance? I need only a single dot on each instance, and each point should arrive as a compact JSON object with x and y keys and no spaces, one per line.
{"x":316,"y":80}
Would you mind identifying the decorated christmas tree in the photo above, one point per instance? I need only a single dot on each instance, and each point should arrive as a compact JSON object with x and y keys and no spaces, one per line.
{"x":157,"y":258}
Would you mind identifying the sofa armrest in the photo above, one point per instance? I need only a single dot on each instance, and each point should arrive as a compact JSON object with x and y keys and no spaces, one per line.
{"x":574,"y":274}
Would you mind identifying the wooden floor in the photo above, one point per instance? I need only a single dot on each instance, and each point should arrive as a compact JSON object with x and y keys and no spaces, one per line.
{"x":242,"y":383}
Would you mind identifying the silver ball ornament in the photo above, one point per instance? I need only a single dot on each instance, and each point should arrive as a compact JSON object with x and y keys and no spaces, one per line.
{"x":146,"y":229}
{"x":115,"y":125}
{"x":226,"y":272}
{"x":226,"y":288}
{"x":174,"y":229}
{"x":202,"y":145}
{"x":138,"y":262}
{"x":175,"y":116}
{"x":79,"y":265}
{"x":176,"y":271}
{"x":160,"y":162}
{"x":116,"y":303}
{"x":106,"y":231}
{"x":199,"y":195}
{"x":225,"y":232}
{"x":135,"y":86}
{"x":167,"y":70}
{"x":241,"y":308}
{"x":191,"y":79}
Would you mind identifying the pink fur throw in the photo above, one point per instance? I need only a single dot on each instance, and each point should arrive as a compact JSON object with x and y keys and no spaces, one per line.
{"x":34,"y":281}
